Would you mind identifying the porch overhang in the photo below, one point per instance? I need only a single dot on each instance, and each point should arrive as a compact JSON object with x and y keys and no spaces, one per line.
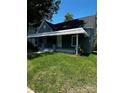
{"x":60,"y":32}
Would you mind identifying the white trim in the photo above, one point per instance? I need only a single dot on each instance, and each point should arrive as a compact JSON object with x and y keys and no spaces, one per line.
{"x":40,"y":26}
{"x":76,"y":44}
{"x":61,"y":32}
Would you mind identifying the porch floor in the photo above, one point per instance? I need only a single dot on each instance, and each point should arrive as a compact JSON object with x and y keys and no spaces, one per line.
{"x":72,"y":51}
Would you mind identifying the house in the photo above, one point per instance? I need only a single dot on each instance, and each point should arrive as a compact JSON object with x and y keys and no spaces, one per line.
{"x":73,"y":36}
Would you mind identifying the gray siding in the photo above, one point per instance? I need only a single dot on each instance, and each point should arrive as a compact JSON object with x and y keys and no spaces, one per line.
{"x":88,"y":42}
{"x":44,"y":27}
{"x":66,"y":42}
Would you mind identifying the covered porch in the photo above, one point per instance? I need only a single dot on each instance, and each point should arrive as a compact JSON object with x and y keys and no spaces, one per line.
{"x":64,"y":40}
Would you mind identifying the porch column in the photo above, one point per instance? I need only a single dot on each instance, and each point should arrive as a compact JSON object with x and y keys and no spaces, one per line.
{"x":76,"y":44}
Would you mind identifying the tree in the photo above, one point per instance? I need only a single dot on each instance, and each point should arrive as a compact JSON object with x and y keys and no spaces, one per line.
{"x":68,"y":17}
{"x":41,"y":9}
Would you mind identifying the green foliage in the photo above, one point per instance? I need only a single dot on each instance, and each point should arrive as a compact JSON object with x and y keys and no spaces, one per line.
{"x":39,"y":9}
{"x":68,"y":17}
{"x":62,"y":73}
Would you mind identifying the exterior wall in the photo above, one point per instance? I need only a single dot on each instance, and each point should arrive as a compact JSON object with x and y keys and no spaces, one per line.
{"x":85,"y":43}
{"x":66,"y":42}
{"x":47,"y":42}
{"x":44,"y":27}
{"x":51,"y":41}
{"x":88,"y":41}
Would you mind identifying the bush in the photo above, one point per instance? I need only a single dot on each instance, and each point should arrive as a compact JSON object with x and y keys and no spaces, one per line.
{"x":31,"y":47}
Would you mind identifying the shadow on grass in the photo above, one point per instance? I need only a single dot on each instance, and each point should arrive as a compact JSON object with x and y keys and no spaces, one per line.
{"x":36,"y":55}
{"x":85,"y":54}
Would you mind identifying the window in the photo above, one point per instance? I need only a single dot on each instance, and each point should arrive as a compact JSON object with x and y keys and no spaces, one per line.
{"x":73,"y":40}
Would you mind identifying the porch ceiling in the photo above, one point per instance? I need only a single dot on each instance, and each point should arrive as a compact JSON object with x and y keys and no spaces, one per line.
{"x":61,"y":32}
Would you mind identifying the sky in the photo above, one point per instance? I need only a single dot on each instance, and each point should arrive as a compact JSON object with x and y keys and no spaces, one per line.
{"x":79,"y":8}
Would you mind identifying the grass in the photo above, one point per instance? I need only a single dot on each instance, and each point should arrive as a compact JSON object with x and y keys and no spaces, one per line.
{"x":62,"y":73}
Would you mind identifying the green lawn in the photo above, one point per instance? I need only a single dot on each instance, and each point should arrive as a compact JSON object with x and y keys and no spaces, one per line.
{"x":62,"y":73}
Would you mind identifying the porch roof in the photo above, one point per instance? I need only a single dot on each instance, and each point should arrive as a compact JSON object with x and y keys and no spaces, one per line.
{"x":60,"y":32}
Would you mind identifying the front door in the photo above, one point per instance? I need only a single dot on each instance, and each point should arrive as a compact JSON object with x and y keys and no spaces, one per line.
{"x":59,"y":41}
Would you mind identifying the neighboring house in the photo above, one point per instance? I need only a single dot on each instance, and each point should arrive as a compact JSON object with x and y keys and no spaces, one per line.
{"x":73,"y":36}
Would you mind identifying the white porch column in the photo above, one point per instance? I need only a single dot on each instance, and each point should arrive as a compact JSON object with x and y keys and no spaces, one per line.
{"x":76,"y":44}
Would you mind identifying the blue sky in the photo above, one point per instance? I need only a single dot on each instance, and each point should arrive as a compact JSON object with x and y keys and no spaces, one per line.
{"x":79,"y":8}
